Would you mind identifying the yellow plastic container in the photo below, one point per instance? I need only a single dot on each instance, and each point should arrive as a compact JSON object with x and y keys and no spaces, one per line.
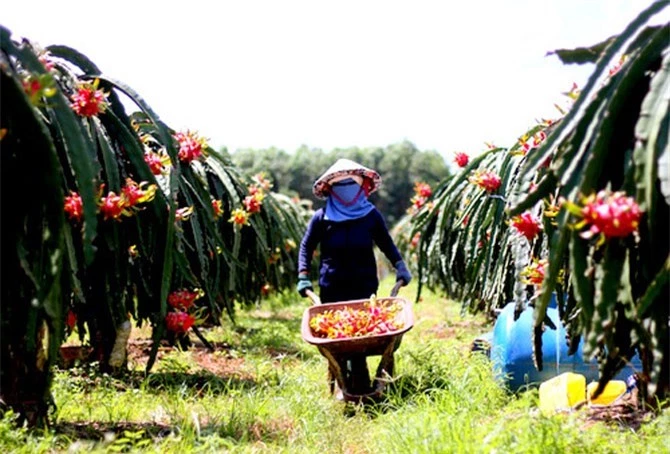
{"x":614,"y":389}
{"x":562,"y":393}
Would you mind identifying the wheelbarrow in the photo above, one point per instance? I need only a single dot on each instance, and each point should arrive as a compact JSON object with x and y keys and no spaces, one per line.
{"x":347,"y":357}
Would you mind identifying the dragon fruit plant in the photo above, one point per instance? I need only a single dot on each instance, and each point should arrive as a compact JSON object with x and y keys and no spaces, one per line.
{"x":578,"y":207}
{"x":127,"y":210}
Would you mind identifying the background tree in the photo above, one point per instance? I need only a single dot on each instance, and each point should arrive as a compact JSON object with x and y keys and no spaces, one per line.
{"x":275,"y":163}
{"x":401,"y":165}
{"x":300,"y":179}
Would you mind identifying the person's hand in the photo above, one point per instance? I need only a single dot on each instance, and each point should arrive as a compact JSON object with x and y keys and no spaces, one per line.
{"x":304,"y":284}
{"x":402,"y":273}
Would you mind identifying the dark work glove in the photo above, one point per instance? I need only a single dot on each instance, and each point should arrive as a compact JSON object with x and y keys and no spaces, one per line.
{"x":402,"y":273}
{"x":304,"y":284}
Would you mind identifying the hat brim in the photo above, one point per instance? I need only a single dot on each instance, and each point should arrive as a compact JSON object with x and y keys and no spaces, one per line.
{"x":342,"y":168}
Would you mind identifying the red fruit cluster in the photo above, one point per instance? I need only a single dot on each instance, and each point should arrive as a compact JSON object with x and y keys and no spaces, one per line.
{"x":37,"y":87}
{"x":422,"y":189}
{"x":74,"y":206}
{"x":262,"y":182}
{"x":191,"y":146}
{"x":534,"y":273}
{"x":613,"y":215}
{"x":253,"y":203}
{"x":414,"y":242}
{"x":179,"y":322}
{"x":183,"y":299}
{"x":461,"y":159}
{"x":155,"y":162}
{"x":217,"y":206}
{"x":527,"y":225}
{"x":114,"y":206}
{"x":374,"y":318}
{"x":422,"y":192}
{"x":89,"y":101}
{"x":536,"y":141}
{"x":71,"y":319}
{"x":487,"y":180}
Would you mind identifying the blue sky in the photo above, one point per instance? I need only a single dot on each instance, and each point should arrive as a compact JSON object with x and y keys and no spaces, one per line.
{"x":447,"y":76}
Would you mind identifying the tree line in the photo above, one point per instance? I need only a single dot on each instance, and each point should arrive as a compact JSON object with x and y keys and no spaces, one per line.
{"x":401,"y":165}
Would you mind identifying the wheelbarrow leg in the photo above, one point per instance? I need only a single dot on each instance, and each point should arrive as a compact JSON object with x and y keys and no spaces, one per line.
{"x":385,"y":368}
{"x":335,"y":371}
{"x":386,"y":365}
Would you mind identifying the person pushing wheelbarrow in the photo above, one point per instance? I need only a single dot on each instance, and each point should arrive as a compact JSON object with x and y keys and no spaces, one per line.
{"x":346,"y":230}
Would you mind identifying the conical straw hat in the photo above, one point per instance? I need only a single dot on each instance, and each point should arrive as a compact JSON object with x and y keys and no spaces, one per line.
{"x":341,"y":169}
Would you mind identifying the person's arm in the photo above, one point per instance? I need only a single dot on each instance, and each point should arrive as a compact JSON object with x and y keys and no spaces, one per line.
{"x":308,"y":244}
{"x":383,"y":239}
{"x":307,"y":247}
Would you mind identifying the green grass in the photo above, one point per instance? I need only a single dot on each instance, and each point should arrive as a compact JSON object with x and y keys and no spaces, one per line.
{"x":266,"y":392}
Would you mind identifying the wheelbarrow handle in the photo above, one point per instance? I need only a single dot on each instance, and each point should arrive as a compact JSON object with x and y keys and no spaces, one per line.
{"x":396,"y":288}
{"x":313,"y":296}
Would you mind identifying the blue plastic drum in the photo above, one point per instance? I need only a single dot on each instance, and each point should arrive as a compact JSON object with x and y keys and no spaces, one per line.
{"x":512,"y":351}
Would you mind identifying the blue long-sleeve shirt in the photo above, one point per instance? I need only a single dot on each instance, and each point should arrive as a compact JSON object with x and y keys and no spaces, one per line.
{"x":348,"y":269}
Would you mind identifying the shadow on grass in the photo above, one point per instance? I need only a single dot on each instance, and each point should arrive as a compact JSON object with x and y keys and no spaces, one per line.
{"x":201,"y":382}
{"x":99,"y":431}
{"x":134,"y":434}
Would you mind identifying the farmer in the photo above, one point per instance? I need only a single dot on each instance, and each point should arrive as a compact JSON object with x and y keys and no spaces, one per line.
{"x":347,"y":229}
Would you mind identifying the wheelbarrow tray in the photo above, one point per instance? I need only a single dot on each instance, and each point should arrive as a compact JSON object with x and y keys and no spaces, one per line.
{"x":370,"y":345}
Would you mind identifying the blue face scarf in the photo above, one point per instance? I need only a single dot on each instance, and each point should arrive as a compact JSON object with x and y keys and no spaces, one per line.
{"x":346,"y":201}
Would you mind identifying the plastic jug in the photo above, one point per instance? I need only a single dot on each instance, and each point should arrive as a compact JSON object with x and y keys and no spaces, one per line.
{"x":562,"y":393}
{"x":614,"y":389}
